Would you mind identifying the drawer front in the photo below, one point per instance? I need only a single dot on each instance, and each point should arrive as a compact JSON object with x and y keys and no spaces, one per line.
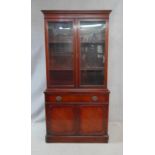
{"x":56,"y":98}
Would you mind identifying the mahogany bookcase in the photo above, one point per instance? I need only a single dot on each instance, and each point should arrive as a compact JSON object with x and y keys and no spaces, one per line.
{"x":77,"y":97}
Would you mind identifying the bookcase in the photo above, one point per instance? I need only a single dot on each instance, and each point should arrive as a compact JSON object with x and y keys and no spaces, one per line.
{"x":77,"y":97}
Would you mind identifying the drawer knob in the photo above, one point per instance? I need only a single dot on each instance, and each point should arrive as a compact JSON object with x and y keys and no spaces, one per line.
{"x":94,"y":98}
{"x":58,"y":98}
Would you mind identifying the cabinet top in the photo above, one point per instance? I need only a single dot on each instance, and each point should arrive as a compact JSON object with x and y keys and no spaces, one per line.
{"x":76,"y":11}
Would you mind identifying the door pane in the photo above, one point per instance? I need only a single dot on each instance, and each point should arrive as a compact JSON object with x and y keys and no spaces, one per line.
{"x":60,"y":53}
{"x":92,"y":40}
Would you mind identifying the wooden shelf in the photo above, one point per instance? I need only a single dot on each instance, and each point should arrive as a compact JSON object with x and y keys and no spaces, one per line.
{"x":82,"y":69}
{"x":60,"y":69}
{"x":57,"y":42}
{"x":62,"y":54}
{"x":69,"y":42}
{"x":92,"y":42}
{"x":93,"y":68}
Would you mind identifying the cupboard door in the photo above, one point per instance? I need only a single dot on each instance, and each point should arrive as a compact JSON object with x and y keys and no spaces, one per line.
{"x":60,"y":120}
{"x":92,"y":52}
{"x":93,"y":120}
{"x":60,"y":53}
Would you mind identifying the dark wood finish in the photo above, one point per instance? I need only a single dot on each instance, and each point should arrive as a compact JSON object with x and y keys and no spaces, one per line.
{"x":93,"y":119}
{"x":60,"y":120}
{"x":77,"y":139}
{"x":75,"y":112}
{"x":94,"y":97}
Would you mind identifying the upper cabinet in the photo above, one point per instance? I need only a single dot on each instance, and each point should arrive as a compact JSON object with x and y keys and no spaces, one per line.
{"x":76,"y":49}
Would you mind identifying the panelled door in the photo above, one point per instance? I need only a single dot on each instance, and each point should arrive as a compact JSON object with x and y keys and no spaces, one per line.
{"x":60,"y":55}
{"x":92,"y":34}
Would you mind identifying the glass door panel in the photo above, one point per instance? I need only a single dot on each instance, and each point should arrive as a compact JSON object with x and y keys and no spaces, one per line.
{"x":61,"y":53}
{"x":92,"y":45}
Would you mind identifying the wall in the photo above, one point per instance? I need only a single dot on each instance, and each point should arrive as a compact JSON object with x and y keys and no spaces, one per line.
{"x":115,"y":66}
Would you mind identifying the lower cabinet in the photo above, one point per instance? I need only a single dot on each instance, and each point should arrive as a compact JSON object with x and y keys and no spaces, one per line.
{"x":76,"y":119}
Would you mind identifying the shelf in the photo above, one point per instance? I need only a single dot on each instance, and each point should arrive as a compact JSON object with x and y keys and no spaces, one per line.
{"x":57,"y":52}
{"x":83,"y":68}
{"x":58,"y":42}
{"x":69,"y":42}
{"x":92,"y":69}
{"x":92,"y":42}
{"x":60,"y":69}
{"x":62,"y":55}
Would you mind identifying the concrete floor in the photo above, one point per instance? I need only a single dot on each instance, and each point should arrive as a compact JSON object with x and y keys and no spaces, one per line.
{"x":114,"y":147}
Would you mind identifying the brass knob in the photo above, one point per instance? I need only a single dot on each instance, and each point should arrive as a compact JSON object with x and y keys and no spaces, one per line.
{"x":58,"y":98}
{"x":94,"y":98}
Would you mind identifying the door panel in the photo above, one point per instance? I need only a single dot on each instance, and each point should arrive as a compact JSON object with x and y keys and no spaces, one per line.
{"x":60,"y":120}
{"x":92,"y":52}
{"x":61,"y":53}
{"x":93,"y":120}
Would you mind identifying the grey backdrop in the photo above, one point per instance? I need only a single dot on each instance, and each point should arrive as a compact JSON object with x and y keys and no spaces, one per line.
{"x":115,"y":66}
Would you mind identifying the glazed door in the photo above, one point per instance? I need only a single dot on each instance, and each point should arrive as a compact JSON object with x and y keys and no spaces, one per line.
{"x":92,"y":52}
{"x":60,"y":38}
